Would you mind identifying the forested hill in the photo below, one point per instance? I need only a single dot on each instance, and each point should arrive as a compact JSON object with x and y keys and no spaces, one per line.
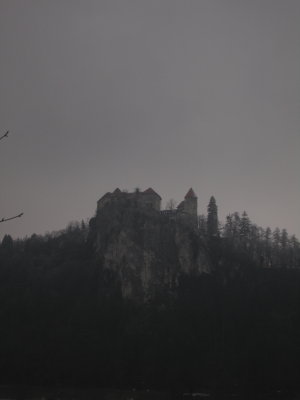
{"x":142,"y":300}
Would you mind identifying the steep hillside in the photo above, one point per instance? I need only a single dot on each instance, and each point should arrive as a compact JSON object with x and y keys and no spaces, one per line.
{"x":145,"y":250}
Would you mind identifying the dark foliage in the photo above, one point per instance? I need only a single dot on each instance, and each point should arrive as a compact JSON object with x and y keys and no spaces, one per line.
{"x":63,"y":320}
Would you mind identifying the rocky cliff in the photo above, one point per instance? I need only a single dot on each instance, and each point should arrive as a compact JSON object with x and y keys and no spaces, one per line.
{"x":145,"y":251}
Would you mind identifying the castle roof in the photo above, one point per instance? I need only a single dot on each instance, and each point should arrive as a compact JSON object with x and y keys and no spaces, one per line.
{"x":117,"y":191}
{"x":108,"y":194}
{"x":152,"y":192}
{"x":180,"y":206}
{"x":190,"y":194}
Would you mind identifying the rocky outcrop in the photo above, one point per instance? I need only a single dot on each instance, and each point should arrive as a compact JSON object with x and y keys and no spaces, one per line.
{"x":146,"y":251}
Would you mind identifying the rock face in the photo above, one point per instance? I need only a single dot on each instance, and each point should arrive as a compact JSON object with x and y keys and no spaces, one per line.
{"x":146,"y":251}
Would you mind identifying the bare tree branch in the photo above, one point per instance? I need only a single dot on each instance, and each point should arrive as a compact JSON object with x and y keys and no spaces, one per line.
{"x":8,"y":219}
{"x":19,"y":215}
{"x":5,"y":135}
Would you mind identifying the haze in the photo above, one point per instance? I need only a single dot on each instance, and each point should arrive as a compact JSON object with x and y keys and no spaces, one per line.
{"x":162,"y":93}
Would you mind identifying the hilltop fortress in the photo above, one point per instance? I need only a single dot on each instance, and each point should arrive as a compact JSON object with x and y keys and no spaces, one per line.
{"x":151,"y":200}
{"x":146,"y":249}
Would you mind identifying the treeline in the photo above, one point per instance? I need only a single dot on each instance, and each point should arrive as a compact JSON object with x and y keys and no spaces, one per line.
{"x":264,"y":247}
{"x":48,"y":294}
{"x":64,"y":321}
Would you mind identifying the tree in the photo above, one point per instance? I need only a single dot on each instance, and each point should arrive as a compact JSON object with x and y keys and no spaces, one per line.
{"x":228,"y":227}
{"x":295,"y":251}
{"x":267,"y":239}
{"x":267,"y":236}
{"x":245,"y":225}
{"x":7,"y":242}
{"x":171,"y":204}
{"x":284,"y":239}
{"x":276,"y":238}
{"x":236,"y":220}
{"x":202,"y":225}
{"x":5,"y":135}
{"x":212,"y":218}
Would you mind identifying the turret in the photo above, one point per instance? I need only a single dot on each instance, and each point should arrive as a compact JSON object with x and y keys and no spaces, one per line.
{"x":190,"y":203}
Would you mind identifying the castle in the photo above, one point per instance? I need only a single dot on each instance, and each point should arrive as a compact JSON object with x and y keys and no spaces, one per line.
{"x":152,"y":200}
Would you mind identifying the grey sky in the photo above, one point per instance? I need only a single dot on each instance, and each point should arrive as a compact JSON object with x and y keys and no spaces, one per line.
{"x":163,"y":93}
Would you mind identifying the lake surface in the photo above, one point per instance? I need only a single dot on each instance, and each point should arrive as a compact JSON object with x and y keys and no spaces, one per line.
{"x":71,"y":393}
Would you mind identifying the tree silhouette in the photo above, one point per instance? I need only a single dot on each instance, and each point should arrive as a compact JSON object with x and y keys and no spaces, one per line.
{"x":171,"y":204}
{"x":5,"y":135}
{"x":212,"y":218}
{"x":7,"y":242}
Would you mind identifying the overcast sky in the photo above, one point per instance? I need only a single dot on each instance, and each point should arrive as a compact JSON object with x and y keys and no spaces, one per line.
{"x":162,"y":93}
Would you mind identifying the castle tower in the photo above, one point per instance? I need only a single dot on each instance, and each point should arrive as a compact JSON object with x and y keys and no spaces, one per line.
{"x":151,"y":199}
{"x":190,"y":203}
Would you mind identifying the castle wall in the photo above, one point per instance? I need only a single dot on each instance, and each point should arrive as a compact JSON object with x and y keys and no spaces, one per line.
{"x":151,"y":201}
{"x":190,"y":206}
{"x":104,"y":200}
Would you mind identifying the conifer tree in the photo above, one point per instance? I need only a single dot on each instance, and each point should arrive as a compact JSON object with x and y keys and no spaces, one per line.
{"x":284,"y":239}
{"x":202,"y":224}
{"x":245,"y":225}
{"x":212,"y":218}
{"x":228,"y":227}
{"x":276,"y":238}
{"x":267,"y":240}
{"x":284,"y":244}
{"x":295,"y":251}
{"x":267,"y":236}
{"x":7,"y":242}
{"x":236,"y":220}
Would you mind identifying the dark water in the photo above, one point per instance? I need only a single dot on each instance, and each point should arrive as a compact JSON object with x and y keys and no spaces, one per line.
{"x":69,"y":393}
